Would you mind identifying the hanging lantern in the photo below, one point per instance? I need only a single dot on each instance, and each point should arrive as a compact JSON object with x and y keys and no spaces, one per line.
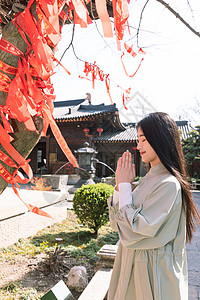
{"x":134,"y":148}
{"x":86,"y":130}
{"x":100,"y":130}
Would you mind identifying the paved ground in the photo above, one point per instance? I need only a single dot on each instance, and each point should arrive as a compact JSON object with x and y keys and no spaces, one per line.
{"x":193,"y":254}
{"x":15,"y":220}
{"x":193,"y":250}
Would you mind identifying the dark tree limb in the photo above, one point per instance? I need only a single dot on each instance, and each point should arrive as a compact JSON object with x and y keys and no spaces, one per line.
{"x":138,"y":30}
{"x":179,"y":17}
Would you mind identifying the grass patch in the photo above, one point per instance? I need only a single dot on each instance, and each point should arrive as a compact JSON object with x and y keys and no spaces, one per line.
{"x":77,"y":242}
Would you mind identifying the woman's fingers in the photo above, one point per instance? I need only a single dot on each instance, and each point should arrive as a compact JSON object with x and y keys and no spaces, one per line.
{"x":125,"y":170}
{"x":126,"y":161}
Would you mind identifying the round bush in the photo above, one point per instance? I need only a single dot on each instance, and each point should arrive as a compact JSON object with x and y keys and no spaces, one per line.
{"x":90,"y":204}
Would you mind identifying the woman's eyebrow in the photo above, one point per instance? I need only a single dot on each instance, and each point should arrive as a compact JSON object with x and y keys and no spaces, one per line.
{"x":140,"y":135}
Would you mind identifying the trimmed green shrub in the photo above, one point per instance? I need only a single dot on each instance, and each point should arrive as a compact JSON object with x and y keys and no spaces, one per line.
{"x":90,"y":204}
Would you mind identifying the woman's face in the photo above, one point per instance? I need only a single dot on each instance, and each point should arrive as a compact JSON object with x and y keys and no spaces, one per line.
{"x":146,"y":151}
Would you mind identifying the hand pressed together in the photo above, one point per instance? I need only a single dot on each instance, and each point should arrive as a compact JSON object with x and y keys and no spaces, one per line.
{"x":125,"y":169}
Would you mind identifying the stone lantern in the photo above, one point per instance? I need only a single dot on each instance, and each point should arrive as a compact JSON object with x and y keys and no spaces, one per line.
{"x":87,"y":170}
{"x":85,"y":160}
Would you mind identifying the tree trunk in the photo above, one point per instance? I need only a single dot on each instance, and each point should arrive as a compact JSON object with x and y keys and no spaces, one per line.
{"x":24,"y":140}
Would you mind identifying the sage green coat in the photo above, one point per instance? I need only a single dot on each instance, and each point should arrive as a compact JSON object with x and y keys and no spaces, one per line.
{"x":151,"y":259}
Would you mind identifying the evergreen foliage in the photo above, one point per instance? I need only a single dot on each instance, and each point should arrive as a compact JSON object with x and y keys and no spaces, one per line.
{"x":90,"y":204}
{"x":191,"y":150}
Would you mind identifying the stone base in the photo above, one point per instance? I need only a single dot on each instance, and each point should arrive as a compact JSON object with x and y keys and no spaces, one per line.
{"x":58,"y":182}
{"x":106,"y":256}
{"x":79,"y":184}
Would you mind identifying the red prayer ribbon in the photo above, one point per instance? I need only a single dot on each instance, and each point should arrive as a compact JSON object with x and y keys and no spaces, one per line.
{"x":133,"y":54}
{"x":136,"y":69}
{"x":4,"y":82}
{"x":97,"y":74}
{"x":130,"y":50}
{"x":104,"y":17}
{"x":7,"y":68}
{"x":30,"y":93}
{"x":14,"y":179}
{"x":27,"y":95}
{"x":81,"y":15}
{"x":9,"y":47}
{"x":121,"y":14}
{"x":125,"y":97}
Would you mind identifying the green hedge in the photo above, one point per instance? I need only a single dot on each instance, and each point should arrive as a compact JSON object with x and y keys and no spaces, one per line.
{"x":90,"y":204}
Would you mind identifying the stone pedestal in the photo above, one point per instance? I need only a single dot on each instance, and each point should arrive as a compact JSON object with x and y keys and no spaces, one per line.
{"x":58,"y":182}
{"x":106,"y":256}
{"x":79,"y":184}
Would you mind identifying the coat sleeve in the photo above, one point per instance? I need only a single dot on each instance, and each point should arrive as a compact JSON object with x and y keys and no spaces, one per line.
{"x":148,"y":222}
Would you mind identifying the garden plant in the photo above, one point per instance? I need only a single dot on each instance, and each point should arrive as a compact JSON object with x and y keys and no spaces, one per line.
{"x":90,"y":204}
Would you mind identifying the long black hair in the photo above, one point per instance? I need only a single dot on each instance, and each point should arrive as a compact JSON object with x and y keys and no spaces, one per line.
{"x":162,"y":134}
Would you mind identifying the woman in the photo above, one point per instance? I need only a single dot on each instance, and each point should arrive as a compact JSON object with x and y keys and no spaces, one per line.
{"x":155,"y":220}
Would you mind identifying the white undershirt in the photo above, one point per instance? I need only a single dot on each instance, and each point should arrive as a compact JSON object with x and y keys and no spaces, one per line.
{"x":124,"y":196}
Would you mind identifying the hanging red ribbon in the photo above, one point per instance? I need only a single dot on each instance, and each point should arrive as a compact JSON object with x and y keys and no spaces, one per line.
{"x":130,"y":50}
{"x":97,"y":74}
{"x":104,"y":17}
{"x":121,"y":14}
{"x":4,"y":82}
{"x":136,"y":69}
{"x":14,"y":180}
{"x":28,"y":96}
{"x":125,"y":97}
{"x":7,"y":68}
{"x":81,"y":15}
{"x":133,"y":54}
{"x":9,"y":47}
{"x":30,"y":93}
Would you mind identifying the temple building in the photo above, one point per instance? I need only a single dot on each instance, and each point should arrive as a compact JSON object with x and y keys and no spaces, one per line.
{"x":99,"y":125}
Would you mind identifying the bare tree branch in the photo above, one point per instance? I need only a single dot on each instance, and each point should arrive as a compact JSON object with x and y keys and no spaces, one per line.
{"x":138,"y":30}
{"x":70,"y":44}
{"x":188,"y":2}
{"x":179,"y":17}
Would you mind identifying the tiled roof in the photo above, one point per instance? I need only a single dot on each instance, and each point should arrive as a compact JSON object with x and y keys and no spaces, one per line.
{"x":68,"y":103}
{"x":184,"y":127}
{"x":79,"y":108}
{"x":130,"y":134}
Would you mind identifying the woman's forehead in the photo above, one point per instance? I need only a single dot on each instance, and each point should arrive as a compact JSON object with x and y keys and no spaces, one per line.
{"x":140,"y":132}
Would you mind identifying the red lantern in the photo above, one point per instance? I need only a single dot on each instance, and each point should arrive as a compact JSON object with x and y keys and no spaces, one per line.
{"x":86,"y":130}
{"x":134,"y":148}
{"x":100,"y":130}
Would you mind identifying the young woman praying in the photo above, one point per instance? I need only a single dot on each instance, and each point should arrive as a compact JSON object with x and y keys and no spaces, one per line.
{"x":155,"y":220}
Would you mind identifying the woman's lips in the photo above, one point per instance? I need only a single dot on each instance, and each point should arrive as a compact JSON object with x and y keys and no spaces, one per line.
{"x":141,"y":153}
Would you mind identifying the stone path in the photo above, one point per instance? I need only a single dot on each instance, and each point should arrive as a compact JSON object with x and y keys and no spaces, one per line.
{"x":15,"y":220}
{"x":193,"y":255}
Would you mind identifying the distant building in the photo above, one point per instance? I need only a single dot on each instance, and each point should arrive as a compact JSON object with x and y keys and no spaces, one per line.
{"x":81,"y":121}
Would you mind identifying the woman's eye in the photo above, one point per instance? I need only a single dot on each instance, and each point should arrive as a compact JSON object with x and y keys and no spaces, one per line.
{"x":140,"y":141}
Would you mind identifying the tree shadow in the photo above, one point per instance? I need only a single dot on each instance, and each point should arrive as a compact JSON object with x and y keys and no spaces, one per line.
{"x":64,"y":238}
{"x":42,"y":276}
